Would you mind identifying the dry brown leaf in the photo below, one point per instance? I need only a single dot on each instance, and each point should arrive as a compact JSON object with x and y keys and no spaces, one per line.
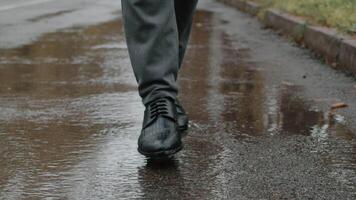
{"x":339,"y":105}
{"x":287,"y":83}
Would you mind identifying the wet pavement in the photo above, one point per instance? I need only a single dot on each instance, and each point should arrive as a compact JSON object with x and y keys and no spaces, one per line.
{"x":261,"y":127}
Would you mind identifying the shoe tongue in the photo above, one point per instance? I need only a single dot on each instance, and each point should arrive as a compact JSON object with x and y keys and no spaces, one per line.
{"x":170,"y":114}
{"x":161,"y":121}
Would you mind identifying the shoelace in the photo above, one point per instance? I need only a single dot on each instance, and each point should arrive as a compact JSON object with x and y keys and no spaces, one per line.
{"x":158,"y":107}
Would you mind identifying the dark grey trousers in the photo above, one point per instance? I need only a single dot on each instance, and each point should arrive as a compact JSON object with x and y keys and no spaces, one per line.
{"x":157,"y":33}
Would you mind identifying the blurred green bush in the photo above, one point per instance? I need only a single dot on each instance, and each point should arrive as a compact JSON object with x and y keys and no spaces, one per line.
{"x":340,"y":14}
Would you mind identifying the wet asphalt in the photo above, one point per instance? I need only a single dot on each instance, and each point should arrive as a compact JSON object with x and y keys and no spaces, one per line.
{"x":261,"y":124}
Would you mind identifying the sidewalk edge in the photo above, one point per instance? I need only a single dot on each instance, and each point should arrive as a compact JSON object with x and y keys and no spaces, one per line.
{"x":337,"y":50}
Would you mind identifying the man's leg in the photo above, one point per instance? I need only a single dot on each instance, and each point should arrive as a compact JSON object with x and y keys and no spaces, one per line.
{"x":184,"y":15}
{"x":152,"y":38}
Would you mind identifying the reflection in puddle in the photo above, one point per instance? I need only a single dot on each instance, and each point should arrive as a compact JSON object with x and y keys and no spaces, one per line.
{"x":70,"y":117}
{"x":66,"y":114}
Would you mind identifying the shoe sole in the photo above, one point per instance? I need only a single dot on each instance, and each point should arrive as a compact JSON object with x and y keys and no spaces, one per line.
{"x":183,"y":128}
{"x":159,"y":154}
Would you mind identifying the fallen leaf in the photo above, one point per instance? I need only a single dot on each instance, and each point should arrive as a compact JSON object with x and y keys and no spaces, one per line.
{"x":330,"y":115}
{"x":339,"y":105}
{"x":287,"y":83}
{"x":334,"y":65}
{"x":199,"y":25}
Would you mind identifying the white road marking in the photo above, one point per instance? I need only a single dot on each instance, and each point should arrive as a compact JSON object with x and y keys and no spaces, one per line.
{"x":19,"y":5}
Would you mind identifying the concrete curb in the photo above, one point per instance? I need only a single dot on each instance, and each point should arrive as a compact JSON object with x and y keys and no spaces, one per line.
{"x":249,"y":7}
{"x":347,"y":56}
{"x":287,"y":24}
{"x":252,"y":8}
{"x":336,"y":49}
{"x":324,"y":41}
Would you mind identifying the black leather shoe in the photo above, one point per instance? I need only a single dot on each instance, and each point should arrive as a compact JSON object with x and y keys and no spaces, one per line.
{"x":160,"y":135}
{"x":182,"y":118}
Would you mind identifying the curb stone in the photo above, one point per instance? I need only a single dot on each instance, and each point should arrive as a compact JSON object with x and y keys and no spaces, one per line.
{"x":248,"y":7}
{"x":323,"y":41}
{"x":252,"y":8}
{"x":288,"y":24}
{"x":237,"y":4}
{"x":348,"y":56}
{"x":326,"y":42}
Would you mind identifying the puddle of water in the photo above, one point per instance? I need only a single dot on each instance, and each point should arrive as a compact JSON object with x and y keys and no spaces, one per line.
{"x":70,"y":117}
{"x":68,"y":111}
{"x":232,"y":101}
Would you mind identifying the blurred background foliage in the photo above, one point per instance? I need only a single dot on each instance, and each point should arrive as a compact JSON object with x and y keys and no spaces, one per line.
{"x":340,"y":14}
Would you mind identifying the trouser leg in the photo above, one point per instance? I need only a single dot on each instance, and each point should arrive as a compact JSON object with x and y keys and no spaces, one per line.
{"x":184,"y":16}
{"x":152,"y":39}
{"x":157,"y":40}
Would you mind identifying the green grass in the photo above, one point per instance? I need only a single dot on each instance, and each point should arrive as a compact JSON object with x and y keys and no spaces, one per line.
{"x":340,"y":14}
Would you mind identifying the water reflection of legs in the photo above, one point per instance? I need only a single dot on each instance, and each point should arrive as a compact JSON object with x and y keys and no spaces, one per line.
{"x":161,"y":178}
{"x":162,"y":163}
